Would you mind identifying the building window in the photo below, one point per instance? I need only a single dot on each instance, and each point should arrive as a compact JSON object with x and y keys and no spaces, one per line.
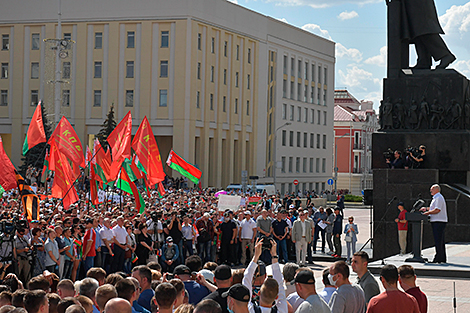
{"x":284,"y":65}
{"x":283,"y":164}
{"x":34,"y":97}
{"x":297,"y":164}
{"x":312,"y":116}
{"x":304,"y":165}
{"x":163,"y":68}
{"x":98,"y":40}
{"x":225,"y":48}
{"x":305,"y":93}
{"x":236,"y":79}
{"x":313,"y":72}
{"x":324,"y":118}
{"x":198,"y":70}
{"x":131,"y":39}
{"x":270,"y":123}
{"x":130,"y":69}
{"x":212,"y":74}
{"x":199,"y":41}
{"x":66,"y":69}
{"x":271,"y":96}
{"x":324,"y":141}
{"x":318,"y":117}
{"x":312,"y":138}
{"x":311,"y":165}
{"x":305,"y":140}
{"x":298,"y":139}
{"x":306,"y":115}
{"x":306,"y":71}
{"x":284,"y":137}
{"x":323,"y":165}
{"x":317,"y":167}
{"x":299,"y":69}
{"x":4,"y":73}
{"x":324,"y":97}
{"x":238,"y":52}
{"x":248,"y":81}
{"x":292,"y":90}
{"x":319,"y":74}
{"x":236,"y":106}
{"x":318,"y":96}
{"x":284,"y":111}
{"x":325,"y":76}
{"x":4,"y":98}
{"x":290,"y":164}
{"x":34,"y":70}
{"x":272,"y":73}
{"x":97,"y":98}
{"x":212,"y":45}
{"x":249,"y":55}
{"x":318,"y":141}
{"x":284,"y":88}
{"x":35,"y":42}
{"x":248,"y":107}
{"x":163,"y":97}
{"x":291,"y":138}
{"x":198,"y":95}
{"x":129,"y":98}
{"x":67,"y":36}
{"x":292,"y":67}
{"x":225,"y":76}
{"x":299,"y":92}
{"x":5,"y":42}
{"x":97,"y":69}
{"x":291,"y":116}
{"x":65,"y":98}
{"x":165,"y":39}
{"x":211,"y":102}
{"x":312,"y":89}
{"x":224,"y":104}
{"x":299,"y":114}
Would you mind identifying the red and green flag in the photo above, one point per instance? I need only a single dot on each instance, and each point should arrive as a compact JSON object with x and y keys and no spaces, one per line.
{"x":127,"y":185}
{"x":120,"y":142}
{"x":184,"y":168}
{"x":36,"y":133}
{"x":161,"y":190}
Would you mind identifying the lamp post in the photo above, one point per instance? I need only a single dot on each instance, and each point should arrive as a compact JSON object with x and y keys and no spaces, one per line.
{"x":336,"y":161}
{"x":274,"y":154}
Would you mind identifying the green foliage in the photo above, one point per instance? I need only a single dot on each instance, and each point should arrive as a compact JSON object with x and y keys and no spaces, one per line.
{"x":107,"y":128}
{"x":352,"y":198}
{"x":35,"y":156}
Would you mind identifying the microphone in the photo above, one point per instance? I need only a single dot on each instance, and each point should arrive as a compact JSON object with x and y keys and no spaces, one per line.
{"x":393,"y":199}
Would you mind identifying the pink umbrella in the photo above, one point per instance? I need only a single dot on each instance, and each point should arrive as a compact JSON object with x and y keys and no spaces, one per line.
{"x":222,"y":192}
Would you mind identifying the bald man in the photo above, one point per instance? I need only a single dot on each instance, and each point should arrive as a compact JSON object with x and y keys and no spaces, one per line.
{"x":118,"y":305}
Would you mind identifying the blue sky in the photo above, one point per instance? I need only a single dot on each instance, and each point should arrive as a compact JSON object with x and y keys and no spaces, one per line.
{"x":359,"y":29}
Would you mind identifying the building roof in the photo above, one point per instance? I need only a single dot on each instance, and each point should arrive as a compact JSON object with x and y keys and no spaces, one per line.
{"x":347,"y":114}
{"x":344,"y":97}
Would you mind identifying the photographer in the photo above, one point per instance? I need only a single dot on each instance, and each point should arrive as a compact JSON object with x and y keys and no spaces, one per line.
{"x":23,"y":249}
{"x":418,"y":160}
{"x":397,"y":162}
{"x":155,"y":229}
{"x":173,"y":229}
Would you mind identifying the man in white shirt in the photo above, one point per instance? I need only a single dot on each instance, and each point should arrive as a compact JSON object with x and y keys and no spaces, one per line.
{"x":437,"y":212}
{"x":305,"y":286}
{"x":119,"y":239}
{"x":247,"y":235}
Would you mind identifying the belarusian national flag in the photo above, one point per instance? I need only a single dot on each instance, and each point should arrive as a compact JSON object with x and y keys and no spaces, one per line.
{"x":126,"y":184}
{"x":184,"y":168}
{"x":7,"y":170}
{"x":36,"y":133}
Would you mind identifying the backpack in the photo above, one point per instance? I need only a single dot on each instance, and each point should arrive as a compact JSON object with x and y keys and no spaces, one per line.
{"x":170,"y":252}
{"x":257,"y":309}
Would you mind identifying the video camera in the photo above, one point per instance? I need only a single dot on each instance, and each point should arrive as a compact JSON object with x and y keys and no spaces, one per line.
{"x":389,"y":154}
{"x":267,"y":244}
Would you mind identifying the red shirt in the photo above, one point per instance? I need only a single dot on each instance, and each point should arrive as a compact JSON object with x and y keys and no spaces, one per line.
{"x":393,"y":301}
{"x":90,"y":235}
{"x":402,"y":216}
{"x":420,"y":297}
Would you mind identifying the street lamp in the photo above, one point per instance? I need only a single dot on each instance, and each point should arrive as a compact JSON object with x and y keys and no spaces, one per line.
{"x":274,"y":154}
{"x":336,"y":162}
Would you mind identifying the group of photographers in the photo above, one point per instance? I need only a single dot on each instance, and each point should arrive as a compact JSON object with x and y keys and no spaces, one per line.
{"x":414,"y":158}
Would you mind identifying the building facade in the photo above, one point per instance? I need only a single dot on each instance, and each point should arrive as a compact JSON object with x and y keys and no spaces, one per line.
{"x":354,"y":123}
{"x":199,"y":70}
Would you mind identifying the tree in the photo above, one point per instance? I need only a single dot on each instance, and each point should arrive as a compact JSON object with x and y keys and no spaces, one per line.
{"x":35,"y":156}
{"x":107,"y":128}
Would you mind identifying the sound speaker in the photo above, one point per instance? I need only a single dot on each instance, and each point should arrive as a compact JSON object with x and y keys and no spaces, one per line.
{"x":367,"y":199}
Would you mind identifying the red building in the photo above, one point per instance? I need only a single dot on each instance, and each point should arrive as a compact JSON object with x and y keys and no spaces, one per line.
{"x":354,"y":123}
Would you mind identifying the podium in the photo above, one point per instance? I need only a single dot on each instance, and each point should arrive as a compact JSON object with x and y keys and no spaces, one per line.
{"x":416,"y":219}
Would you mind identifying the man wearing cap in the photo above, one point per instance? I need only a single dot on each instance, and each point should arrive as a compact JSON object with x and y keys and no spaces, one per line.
{"x":302,"y":234}
{"x":402,"y":227}
{"x":247,"y":235}
{"x":223,"y":280}
{"x":196,"y":290}
{"x":238,"y":298}
{"x":170,"y":253}
{"x":305,"y":286}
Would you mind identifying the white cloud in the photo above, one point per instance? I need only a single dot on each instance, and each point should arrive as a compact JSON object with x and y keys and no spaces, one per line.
{"x":347,"y":15}
{"x":463,"y":67}
{"x":234,"y":1}
{"x":379,"y":60}
{"x":316,"y":29}
{"x":351,"y":53}
{"x":282,"y":20}
{"x":318,"y":4}
{"x":457,"y":18}
{"x":356,"y":77}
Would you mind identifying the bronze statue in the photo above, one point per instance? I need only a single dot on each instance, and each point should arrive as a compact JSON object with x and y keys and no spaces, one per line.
{"x":423,"y":113}
{"x":400,"y":111}
{"x":456,"y":114}
{"x":413,"y":114}
{"x":387,"y":114}
{"x":436,"y":115}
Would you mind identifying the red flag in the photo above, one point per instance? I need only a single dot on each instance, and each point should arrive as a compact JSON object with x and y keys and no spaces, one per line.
{"x":63,"y":181}
{"x":145,"y":147}
{"x":120,"y":139}
{"x":161,"y":189}
{"x":36,"y":133}
{"x":103,"y":163}
{"x":68,"y":142}
{"x":93,"y":186}
{"x":138,"y":174}
{"x":7,"y":170}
